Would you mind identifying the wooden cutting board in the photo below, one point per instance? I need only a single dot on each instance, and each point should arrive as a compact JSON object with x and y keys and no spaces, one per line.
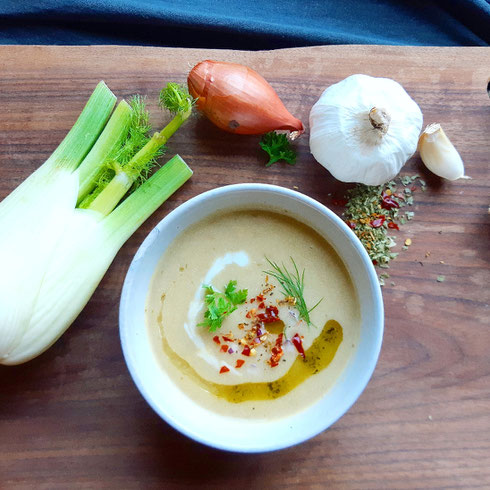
{"x":72,"y":418}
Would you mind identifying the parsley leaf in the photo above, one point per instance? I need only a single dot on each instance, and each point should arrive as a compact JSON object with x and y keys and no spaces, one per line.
{"x":278,"y":147}
{"x":236,"y":297}
{"x":220,"y":305}
{"x":230,"y":288}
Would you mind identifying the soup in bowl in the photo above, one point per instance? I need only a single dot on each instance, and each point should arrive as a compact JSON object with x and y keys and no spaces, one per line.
{"x":251,"y":318}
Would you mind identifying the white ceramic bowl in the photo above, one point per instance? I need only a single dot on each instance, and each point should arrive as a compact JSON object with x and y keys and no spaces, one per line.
{"x":176,"y":407}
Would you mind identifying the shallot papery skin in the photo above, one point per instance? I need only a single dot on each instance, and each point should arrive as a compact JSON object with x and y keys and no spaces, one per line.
{"x":239,"y":100}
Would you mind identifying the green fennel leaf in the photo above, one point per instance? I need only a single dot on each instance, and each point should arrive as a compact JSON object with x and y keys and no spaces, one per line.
{"x":137,"y":138}
{"x":176,"y":98}
{"x":293,"y":285}
{"x":278,"y":147}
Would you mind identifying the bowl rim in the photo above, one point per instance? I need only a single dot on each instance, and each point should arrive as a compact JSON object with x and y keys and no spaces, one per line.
{"x":182,"y":209}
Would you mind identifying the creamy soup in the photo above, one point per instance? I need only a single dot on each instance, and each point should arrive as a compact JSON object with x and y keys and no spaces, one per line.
{"x":272,"y":354}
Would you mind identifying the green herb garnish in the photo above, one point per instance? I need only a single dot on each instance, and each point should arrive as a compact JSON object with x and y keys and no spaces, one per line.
{"x":278,"y":147}
{"x":220,"y":305}
{"x":293,"y":285}
{"x":175,"y":98}
{"x":137,"y":137}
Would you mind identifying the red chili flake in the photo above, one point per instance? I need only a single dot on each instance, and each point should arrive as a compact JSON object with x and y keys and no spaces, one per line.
{"x":224,"y":348}
{"x":223,"y":369}
{"x":276,"y":356}
{"x":260,"y":297}
{"x":252,"y":300}
{"x":271,"y":315}
{"x":297,"y":342}
{"x":227,"y":339}
{"x":246,"y":351}
{"x":388,"y":202}
{"x":216,"y":339}
{"x":375,"y":262}
{"x":393,"y":225}
{"x":339,"y":202}
{"x":239,"y":363}
{"x":276,"y":351}
{"x":413,"y":188}
{"x":376,"y":223}
{"x":351,"y":225}
{"x":261,"y":305}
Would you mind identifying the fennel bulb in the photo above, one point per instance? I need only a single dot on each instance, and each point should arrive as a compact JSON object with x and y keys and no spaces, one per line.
{"x":53,"y":254}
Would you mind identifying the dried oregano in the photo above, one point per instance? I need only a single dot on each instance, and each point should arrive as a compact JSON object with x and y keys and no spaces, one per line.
{"x":371,"y":211}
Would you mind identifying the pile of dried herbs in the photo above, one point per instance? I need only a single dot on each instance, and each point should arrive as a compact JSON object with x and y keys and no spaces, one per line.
{"x":371,"y":211}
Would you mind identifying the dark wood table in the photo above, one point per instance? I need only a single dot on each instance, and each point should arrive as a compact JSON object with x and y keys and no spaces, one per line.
{"x":72,"y":418}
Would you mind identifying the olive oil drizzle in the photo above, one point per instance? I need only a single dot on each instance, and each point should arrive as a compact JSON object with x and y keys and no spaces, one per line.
{"x":317,"y":358}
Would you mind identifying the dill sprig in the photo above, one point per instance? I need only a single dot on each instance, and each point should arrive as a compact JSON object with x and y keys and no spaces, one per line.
{"x":293,"y":284}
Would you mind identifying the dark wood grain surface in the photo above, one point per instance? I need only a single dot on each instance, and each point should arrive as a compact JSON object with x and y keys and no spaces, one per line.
{"x":72,"y":418}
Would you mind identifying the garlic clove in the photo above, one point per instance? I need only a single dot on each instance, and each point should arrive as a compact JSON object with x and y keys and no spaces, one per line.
{"x":439,"y":154}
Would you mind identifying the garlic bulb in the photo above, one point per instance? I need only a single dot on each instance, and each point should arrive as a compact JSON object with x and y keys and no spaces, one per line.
{"x":364,"y":129}
{"x":439,"y":154}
